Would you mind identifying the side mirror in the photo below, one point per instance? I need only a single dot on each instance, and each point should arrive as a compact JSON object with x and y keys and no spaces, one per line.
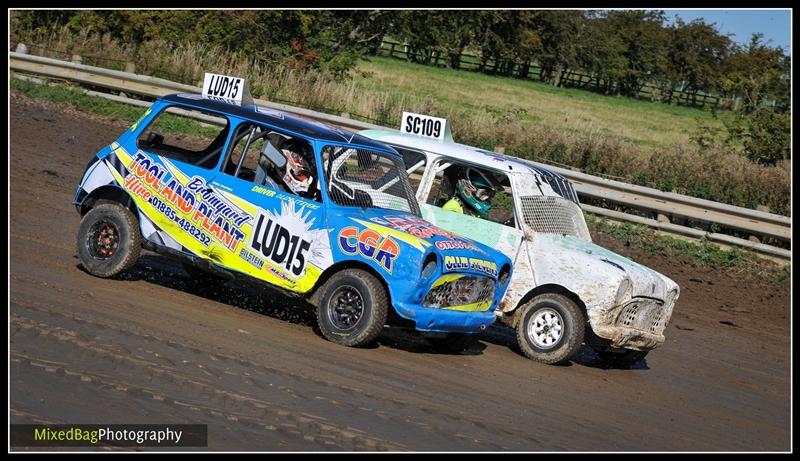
{"x":273,"y":155}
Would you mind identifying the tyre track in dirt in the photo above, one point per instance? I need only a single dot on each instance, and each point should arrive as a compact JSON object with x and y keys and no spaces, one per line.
{"x":153,"y":347}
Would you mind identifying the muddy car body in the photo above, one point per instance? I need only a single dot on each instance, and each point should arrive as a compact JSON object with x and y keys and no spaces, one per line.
{"x":565,"y":290}
{"x":355,"y":244}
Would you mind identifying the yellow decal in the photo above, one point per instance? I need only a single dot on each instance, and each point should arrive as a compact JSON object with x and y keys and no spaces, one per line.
{"x":147,"y":112}
{"x":176,"y":206}
{"x":446,"y":278}
{"x":479,"y":306}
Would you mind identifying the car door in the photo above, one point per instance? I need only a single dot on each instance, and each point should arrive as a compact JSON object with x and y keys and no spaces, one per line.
{"x":284,"y":240}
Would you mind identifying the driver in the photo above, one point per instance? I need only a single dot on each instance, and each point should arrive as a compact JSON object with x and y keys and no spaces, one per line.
{"x":473,"y":195}
{"x":297,"y":178}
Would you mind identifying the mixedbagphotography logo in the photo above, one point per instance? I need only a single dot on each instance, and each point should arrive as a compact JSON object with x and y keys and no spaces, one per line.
{"x":120,"y":435}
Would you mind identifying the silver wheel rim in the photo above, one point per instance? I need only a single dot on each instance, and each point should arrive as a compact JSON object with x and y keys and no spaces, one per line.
{"x":346,"y":308}
{"x":546,"y":328}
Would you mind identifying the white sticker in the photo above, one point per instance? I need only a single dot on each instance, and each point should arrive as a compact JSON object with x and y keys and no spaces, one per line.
{"x":223,"y":87}
{"x":425,"y":125}
{"x":270,"y":112}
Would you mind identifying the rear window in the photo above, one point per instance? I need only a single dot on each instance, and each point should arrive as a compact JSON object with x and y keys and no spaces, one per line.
{"x":186,"y":135}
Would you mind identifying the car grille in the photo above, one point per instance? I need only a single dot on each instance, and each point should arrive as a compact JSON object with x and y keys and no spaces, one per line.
{"x":645,"y":314}
{"x":461,"y":292}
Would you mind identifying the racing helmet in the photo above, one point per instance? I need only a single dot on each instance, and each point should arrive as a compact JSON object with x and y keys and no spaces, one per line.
{"x":476,"y":190}
{"x":299,"y":157}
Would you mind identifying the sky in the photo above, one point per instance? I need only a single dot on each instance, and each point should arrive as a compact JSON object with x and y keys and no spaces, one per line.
{"x":775,"y":24}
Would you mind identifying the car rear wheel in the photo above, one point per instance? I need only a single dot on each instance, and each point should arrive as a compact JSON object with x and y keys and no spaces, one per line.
{"x":550,"y":328}
{"x":352,"y":309}
{"x":109,"y":242}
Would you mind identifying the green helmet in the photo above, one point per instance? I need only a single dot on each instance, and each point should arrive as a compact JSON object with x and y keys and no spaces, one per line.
{"x":477,"y":191}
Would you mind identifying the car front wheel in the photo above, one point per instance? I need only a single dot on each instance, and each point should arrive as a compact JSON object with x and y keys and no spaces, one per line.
{"x":550,"y":328}
{"x":352,"y":309}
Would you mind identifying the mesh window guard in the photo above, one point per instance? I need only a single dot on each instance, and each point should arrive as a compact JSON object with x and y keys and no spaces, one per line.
{"x":367,"y":179}
{"x":554,"y":215}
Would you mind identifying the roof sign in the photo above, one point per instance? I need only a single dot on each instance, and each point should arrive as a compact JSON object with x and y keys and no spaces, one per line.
{"x":425,"y":125}
{"x":225,"y":88}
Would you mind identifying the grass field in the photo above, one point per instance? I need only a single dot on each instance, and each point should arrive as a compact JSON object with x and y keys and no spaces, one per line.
{"x":641,"y":122}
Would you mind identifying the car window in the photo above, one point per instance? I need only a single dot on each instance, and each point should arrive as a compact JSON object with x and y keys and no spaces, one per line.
{"x":483,"y":193}
{"x":190,"y":136}
{"x":248,"y":161}
{"x":367,"y":179}
{"x":240,"y":163}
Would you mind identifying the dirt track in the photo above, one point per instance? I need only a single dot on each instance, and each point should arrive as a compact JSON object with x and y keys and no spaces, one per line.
{"x":155,"y":348}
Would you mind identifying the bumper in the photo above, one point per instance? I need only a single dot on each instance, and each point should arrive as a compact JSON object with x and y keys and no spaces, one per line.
{"x":430,"y":319}
{"x":629,"y":338}
{"x":638,"y":324}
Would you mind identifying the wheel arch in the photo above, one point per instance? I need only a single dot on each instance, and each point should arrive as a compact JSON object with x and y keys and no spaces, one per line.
{"x":547,"y":288}
{"x":108,"y":193}
{"x":313,"y":294}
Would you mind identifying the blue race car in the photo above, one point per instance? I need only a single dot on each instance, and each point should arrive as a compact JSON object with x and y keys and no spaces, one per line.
{"x":231,"y":187}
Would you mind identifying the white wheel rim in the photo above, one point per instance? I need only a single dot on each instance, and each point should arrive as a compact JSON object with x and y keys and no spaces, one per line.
{"x":546,"y":328}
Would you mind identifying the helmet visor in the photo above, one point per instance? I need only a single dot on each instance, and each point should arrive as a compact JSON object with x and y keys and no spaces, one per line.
{"x":298,"y":166}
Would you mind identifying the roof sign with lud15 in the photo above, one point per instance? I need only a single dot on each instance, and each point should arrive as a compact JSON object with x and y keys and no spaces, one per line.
{"x":225,"y":88}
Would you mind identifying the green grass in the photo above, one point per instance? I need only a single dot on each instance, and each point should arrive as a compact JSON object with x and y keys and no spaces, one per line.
{"x":76,"y":98}
{"x":785,"y":275}
{"x":641,"y":122}
{"x":701,"y":252}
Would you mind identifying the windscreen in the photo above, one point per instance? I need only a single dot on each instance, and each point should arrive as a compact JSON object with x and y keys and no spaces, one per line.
{"x":367,"y":179}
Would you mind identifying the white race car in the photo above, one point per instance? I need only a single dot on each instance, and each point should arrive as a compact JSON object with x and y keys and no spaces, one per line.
{"x":565,"y":290}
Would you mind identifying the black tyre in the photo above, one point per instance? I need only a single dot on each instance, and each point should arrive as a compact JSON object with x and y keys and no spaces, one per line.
{"x":625,"y":359}
{"x":109,"y":242}
{"x":550,"y":328}
{"x":352,"y":309}
{"x":453,"y":342}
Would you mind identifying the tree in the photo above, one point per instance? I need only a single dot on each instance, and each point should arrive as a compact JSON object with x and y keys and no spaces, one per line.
{"x":558,"y":47}
{"x":696,"y":53}
{"x":644,"y":38}
{"x":419,"y":30}
{"x":757,"y":72}
{"x":601,"y":52}
{"x":497,"y":32}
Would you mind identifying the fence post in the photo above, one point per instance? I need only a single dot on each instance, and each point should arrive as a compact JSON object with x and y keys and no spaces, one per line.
{"x":21,"y":48}
{"x":77,"y":59}
{"x":131,"y":67}
{"x":391,"y":52}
